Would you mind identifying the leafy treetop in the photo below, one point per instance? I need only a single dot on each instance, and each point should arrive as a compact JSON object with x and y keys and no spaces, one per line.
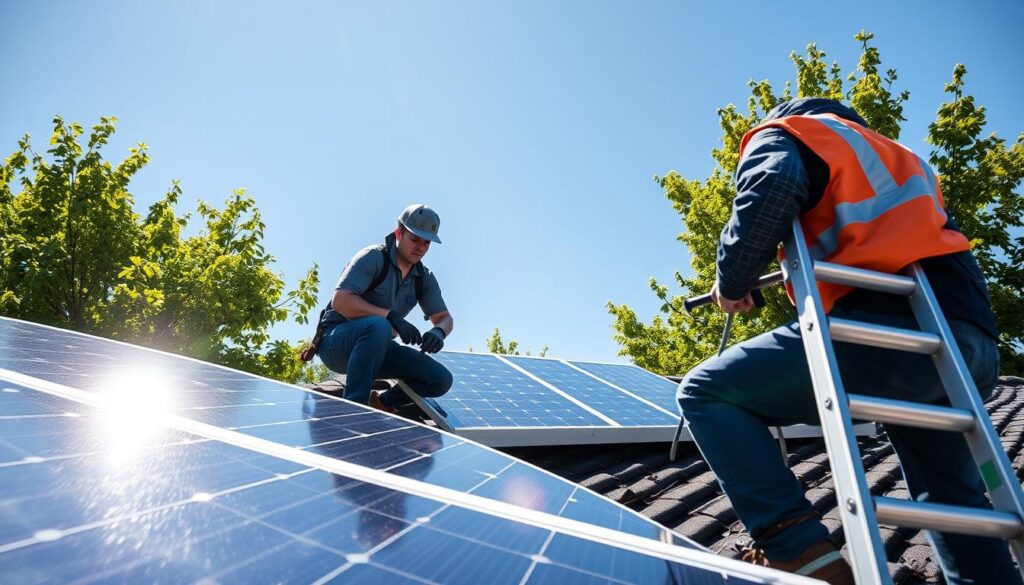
{"x":74,"y":253}
{"x":979,"y":176}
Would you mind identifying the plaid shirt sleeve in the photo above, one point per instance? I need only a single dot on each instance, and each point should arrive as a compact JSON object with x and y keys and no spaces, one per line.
{"x":771,"y":187}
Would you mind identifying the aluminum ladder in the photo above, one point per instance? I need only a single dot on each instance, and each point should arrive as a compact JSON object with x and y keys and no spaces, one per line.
{"x":860,"y":511}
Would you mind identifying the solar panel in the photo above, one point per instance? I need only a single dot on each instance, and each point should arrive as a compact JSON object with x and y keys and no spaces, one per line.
{"x":488,"y":392}
{"x":606,"y":399}
{"x":93,"y":494}
{"x":647,"y":385}
{"x":506,"y":401}
{"x":661,"y":391}
{"x":136,"y":377}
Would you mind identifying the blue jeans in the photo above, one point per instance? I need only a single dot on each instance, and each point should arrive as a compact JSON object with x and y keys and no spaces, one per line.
{"x":728,"y":402}
{"x":364,"y":350}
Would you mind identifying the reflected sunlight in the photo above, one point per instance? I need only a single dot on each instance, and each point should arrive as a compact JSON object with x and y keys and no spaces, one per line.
{"x":524,"y":492}
{"x":134,"y":402}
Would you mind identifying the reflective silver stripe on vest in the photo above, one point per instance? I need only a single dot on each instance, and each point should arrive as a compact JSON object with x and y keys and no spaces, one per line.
{"x":933,"y":184}
{"x":887,"y":195}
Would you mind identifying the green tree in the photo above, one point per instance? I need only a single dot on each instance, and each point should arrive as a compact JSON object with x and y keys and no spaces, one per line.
{"x":979,"y":178}
{"x":978,"y":175}
{"x":495,"y":344}
{"x":77,"y":255}
{"x":315,"y":372}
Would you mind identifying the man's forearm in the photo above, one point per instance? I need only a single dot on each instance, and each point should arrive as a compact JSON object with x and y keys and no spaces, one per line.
{"x":771,"y":187}
{"x":446,"y":323}
{"x":353,"y":306}
{"x":742,"y":258}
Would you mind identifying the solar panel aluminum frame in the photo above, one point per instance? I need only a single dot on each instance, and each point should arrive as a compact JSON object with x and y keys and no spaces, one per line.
{"x":429,"y":407}
{"x":554,"y":436}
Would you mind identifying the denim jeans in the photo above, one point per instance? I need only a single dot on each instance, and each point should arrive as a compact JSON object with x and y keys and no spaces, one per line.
{"x":364,"y":350}
{"x":728,"y":402}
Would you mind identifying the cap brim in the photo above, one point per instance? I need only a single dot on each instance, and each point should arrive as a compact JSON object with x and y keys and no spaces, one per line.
{"x":424,"y":234}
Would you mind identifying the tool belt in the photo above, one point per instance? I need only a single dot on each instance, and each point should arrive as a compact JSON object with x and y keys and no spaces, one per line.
{"x":310,"y":350}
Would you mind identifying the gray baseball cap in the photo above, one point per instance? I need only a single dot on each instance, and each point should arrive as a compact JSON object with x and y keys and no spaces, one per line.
{"x":422,"y":221}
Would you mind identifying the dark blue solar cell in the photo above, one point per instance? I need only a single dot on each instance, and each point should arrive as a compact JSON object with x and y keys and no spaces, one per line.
{"x":647,"y":385}
{"x":609,"y":401}
{"x":177,"y":507}
{"x":489,"y":393}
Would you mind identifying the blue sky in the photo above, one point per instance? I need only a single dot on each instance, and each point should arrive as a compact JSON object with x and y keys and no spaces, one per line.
{"x":534,"y":128}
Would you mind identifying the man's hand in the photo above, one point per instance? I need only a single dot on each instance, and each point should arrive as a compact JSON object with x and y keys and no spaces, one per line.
{"x":730,"y":306}
{"x":433,"y":340}
{"x":408,"y":332}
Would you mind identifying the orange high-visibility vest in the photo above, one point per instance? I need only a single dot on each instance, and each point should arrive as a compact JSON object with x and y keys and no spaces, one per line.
{"x":882,"y":208}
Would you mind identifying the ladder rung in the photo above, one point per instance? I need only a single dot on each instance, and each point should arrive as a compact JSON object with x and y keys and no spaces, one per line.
{"x":860,"y":278}
{"x":882,"y":336}
{"x":910,"y":414}
{"x":946,"y":518}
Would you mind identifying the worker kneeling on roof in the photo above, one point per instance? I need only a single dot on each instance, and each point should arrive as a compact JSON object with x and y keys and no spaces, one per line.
{"x":863,"y":200}
{"x":377,"y":289}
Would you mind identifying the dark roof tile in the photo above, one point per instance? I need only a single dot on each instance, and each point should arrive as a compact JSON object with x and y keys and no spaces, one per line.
{"x":601,"y":482}
{"x":702,"y":528}
{"x":720,"y":509}
{"x":822,"y":499}
{"x":807,"y":472}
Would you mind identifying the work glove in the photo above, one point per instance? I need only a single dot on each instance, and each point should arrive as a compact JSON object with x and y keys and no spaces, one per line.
{"x":408,"y":332}
{"x":433,"y":340}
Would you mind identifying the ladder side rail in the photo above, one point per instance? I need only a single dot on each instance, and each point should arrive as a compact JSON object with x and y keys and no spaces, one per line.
{"x":985,"y":445}
{"x":856,"y":505}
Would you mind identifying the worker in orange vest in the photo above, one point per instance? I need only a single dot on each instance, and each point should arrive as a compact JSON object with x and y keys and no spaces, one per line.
{"x":863,"y":200}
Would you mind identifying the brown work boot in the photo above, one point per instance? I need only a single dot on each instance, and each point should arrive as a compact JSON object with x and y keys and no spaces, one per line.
{"x":376,"y":403}
{"x":821,"y":560}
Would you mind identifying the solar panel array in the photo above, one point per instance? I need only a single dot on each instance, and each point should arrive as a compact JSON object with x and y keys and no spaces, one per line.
{"x":519,"y":400}
{"x":123,"y":464}
{"x":514,"y":401}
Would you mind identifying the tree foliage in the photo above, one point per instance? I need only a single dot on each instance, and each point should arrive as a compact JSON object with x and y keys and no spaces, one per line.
{"x":495,"y":344}
{"x":980,"y":175}
{"x":979,"y":178}
{"x":75,"y":254}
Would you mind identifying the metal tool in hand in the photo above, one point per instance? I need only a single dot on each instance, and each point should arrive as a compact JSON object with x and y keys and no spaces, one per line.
{"x":759,"y":301}
{"x":758,"y":298}
{"x":725,"y":332}
{"x":765,"y":281}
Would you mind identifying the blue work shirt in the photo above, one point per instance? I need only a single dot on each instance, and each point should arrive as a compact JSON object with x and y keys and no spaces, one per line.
{"x":393,"y":293}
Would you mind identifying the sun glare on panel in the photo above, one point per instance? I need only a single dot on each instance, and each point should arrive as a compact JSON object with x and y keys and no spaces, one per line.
{"x":134,"y":404}
{"x":524,"y":492}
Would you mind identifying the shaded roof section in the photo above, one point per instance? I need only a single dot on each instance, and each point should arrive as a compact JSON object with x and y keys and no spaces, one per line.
{"x":684,"y":495}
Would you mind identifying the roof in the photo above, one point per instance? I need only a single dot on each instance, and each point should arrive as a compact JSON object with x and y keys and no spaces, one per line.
{"x":684,"y":495}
